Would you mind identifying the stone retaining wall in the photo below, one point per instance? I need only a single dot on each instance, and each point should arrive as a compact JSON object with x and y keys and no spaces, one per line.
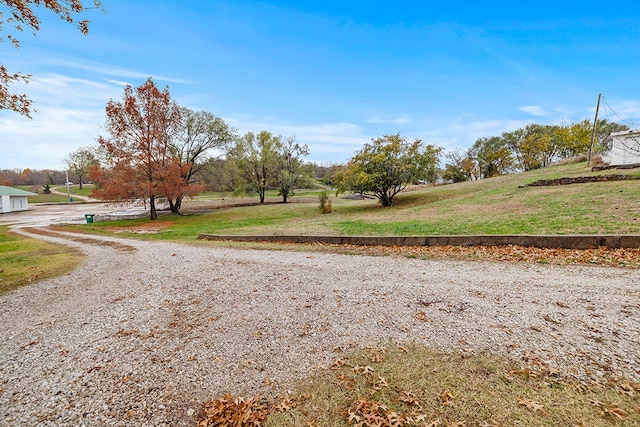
{"x":538,"y":241}
{"x":580,"y":180}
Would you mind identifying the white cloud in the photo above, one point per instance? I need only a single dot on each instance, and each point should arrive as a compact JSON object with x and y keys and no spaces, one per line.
{"x":496,"y":127}
{"x":69,"y":113}
{"x":42,"y":142}
{"x":118,"y":82}
{"x":328,"y":142}
{"x":402,"y":120}
{"x":108,"y":70}
{"x":535,"y":110}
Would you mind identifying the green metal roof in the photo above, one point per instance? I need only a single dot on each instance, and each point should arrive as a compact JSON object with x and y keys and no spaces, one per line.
{"x":10,"y":191}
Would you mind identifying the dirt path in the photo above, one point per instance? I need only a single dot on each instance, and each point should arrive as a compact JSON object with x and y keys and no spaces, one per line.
{"x":55,"y":190}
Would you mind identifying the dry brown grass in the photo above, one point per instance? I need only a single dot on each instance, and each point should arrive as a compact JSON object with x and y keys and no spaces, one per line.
{"x":414,"y":386}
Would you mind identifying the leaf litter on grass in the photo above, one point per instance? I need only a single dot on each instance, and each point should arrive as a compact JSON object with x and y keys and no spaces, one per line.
{"x":602,"y":256}
{"x":417,"y":386}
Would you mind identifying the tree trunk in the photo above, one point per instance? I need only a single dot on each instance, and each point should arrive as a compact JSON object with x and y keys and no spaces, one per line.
{"x":385,"y":200}
{"x":175,"y":205}
{"x":80,"y":183}
{"x":261,"y":194}
{"x":152,"y":208}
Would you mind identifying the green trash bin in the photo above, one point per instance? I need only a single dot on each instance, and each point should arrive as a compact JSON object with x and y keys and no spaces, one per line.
{"x":89,"y":218}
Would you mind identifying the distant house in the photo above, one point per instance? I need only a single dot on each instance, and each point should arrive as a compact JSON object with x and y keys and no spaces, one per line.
{"x":625,"y":148}
{"x":14,"y":199}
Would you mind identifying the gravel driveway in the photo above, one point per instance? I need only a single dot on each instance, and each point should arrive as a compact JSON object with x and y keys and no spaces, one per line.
{"x":146,"y":331}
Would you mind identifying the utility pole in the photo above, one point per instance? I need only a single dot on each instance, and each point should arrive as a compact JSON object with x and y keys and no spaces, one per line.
{"x":593,"y":131}
{"x":66,"y":175}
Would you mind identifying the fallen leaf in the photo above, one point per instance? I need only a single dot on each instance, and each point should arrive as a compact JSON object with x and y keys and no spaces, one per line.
{"x":366,"y":370}
{"x":422,"y":316}
{"x":532,"y":406}
{"x":354,"y":418}
{"x":337,"y":363}
{"x":409,"y":398}
{"x":613,"y":410}
{"x":446,"y":397}
{"x":629,"y":388}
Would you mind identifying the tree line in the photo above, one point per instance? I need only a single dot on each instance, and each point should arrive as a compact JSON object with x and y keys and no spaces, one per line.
{"x":154,"y":148}
{"x":532,"y":147}
{"x":35,"y":178}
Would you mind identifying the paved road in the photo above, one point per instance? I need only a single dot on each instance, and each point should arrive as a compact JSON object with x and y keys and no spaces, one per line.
{"x":44,"y":215}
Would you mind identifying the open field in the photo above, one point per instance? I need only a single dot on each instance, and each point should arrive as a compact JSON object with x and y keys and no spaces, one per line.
{"x":491,"y":206}
{"x":75,"y":189}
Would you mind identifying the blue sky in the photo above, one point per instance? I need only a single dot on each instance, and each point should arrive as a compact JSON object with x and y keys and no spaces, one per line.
{"x":333,"y":73}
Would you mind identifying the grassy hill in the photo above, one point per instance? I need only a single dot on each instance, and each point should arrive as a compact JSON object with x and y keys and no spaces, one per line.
{"x":491,"y":206}
{"x":499,"y":206}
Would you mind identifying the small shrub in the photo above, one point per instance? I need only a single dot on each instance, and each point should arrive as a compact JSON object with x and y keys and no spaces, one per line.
{"x":47,"y":189}
{"x":325,"y":201}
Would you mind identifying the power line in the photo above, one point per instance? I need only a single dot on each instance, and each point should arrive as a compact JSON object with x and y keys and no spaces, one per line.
{"x":608,"y":108}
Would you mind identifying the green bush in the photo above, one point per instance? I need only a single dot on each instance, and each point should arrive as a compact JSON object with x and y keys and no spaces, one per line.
{"x":325,"y":201}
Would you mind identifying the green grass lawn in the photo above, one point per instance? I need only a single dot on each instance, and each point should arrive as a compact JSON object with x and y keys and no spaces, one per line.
{"x":75,"y":189}
{"x":41,"y":197}
{"x":491,"y":206}
{"x":54,"y":198}
{"x":26,"y":261}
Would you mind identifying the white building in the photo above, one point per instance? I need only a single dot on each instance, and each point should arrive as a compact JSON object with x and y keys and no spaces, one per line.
{"x":14,"y":199}
{"x":625,"y":148}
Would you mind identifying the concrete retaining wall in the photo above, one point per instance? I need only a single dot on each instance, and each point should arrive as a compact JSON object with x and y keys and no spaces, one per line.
{"x":538,"y":241}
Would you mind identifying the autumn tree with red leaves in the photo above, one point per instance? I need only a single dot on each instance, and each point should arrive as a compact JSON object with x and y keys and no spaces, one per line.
{"x":22,"y":14}
{"x":142,"y":161}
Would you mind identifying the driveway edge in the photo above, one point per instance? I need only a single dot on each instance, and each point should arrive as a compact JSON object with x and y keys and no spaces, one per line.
{"x":574,"y":241}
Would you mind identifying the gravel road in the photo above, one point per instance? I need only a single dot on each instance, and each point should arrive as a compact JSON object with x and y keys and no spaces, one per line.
{"x":145,"y":332}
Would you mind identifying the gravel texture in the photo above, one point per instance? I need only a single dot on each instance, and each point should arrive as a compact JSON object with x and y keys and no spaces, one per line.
{"x":145,"y":332}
